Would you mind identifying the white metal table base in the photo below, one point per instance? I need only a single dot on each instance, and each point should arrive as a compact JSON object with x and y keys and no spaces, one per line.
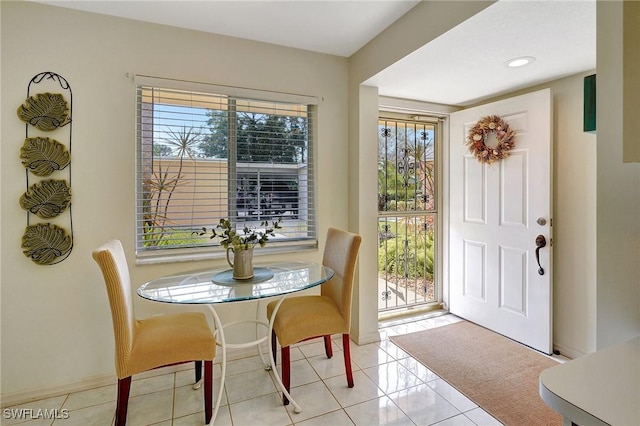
{"x":271,"y":365}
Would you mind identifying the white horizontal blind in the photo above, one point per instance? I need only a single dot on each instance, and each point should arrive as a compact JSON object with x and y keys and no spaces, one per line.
{"x":203,"y":156}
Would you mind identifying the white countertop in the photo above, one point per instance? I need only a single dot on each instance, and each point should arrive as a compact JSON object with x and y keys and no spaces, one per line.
{"x":601,"y":388}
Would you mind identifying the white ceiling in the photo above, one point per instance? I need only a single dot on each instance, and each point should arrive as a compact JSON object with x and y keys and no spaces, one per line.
{"x":337,"y":27}
{"x":463,"y":66}
{"x":467,"y":64}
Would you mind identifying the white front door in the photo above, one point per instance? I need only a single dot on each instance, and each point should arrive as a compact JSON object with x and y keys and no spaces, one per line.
{"x":497,"y":212}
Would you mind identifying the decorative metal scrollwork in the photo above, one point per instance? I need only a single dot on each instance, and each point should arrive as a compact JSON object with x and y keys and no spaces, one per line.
{"x":46,"y":243}
{"x":406,"y":167}
{"x":407,"y":258}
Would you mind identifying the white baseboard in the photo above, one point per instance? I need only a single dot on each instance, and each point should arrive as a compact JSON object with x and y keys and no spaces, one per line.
{"x":22,"y":397}
{"x":568,"y":352}
{"x":19,"y":398}
{"x":366,"y":338}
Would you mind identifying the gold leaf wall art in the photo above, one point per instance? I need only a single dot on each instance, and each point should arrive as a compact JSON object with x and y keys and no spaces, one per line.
{"x":45,"y":111}
{"x":47,"y":198}
{"x":45,"y":243}
{"x":44,"y":156}
{"x":47,"y":164}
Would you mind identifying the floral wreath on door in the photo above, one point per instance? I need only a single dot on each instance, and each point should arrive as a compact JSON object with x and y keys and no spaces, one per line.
{"x":477,"y":135}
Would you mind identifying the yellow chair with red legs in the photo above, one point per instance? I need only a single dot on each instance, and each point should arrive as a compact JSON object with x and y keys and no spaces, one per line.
{"x":306,"y":317}
{"x":155,"y":342}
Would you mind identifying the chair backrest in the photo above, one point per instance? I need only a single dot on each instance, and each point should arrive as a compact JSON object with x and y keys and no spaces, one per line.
{"x":340,"y":254}
{"x":113,"y":263}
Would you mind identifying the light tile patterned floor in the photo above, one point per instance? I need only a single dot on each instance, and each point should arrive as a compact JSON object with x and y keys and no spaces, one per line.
{"x":391,"y":388}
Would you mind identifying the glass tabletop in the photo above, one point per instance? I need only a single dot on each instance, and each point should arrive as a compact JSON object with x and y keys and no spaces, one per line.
{"x":216,"y":286}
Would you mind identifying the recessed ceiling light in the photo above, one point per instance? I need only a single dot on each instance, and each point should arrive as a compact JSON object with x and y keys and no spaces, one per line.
{"x":520,"y":62}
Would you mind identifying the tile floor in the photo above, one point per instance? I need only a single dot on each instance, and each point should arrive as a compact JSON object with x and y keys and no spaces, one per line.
{"x":391,"y":388}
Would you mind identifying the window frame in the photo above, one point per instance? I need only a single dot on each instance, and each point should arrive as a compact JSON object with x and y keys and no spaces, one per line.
{"x":214,"y":250}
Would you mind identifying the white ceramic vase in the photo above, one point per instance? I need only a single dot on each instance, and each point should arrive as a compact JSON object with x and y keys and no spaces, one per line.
{"x":242,"y":263}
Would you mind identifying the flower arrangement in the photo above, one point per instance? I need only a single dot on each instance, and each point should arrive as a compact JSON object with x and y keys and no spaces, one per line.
{"x":247,"y":238}
{"x":504,"y":136}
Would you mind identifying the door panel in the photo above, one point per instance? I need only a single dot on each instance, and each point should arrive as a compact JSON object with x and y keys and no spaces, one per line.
{"x":513,"y":187}
{"x":474,"y":264}
{"x":513,"y":270}
{"x":493,"y":271}
{"x":474,"y":191}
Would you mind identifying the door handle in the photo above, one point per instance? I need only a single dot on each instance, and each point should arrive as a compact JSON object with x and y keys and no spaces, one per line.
{"x":541,"y":241}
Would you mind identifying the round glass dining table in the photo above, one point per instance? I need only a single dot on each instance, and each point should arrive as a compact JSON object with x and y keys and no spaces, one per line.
{"x":212,"y":287}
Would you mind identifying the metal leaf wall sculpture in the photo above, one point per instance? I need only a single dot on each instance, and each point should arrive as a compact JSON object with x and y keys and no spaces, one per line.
{"x":45,"y":243}
{"x":47,"y":198}
{"x":44,"y":156}
{"x":45,"y":111}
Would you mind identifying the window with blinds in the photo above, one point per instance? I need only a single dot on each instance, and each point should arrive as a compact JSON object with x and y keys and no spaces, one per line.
{"x":211,"y":153}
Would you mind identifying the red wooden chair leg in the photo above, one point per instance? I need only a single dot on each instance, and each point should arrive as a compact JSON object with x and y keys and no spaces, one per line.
{"x":208,"y":391}
{"x":274,"y":347}
{"x":347,"y":359}
{"x":327,"y":346}
{"x":198,"y":369}
{"x":286,"y":372}
{"x":124,"y":386}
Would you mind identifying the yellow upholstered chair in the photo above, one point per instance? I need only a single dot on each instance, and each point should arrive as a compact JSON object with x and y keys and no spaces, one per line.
{"x":158,"y":341}
{"x":305,"y":317}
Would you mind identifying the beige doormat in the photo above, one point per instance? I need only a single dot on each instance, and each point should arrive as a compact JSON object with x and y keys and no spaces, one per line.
{"x":495,"y":372}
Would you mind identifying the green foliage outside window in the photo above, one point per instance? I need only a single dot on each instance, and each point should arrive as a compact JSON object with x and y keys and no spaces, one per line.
{"x":419,"y":248}
{"x":261,"y":138}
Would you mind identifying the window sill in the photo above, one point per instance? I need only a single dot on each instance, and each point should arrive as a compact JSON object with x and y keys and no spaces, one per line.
{"x":198,"y":254}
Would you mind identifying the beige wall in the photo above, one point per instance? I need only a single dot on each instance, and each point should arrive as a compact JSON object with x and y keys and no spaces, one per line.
{"x":56,"y":325}
{"x":574,"y":234}
{"x":618,"y":191}
{"x":631,"y":81}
